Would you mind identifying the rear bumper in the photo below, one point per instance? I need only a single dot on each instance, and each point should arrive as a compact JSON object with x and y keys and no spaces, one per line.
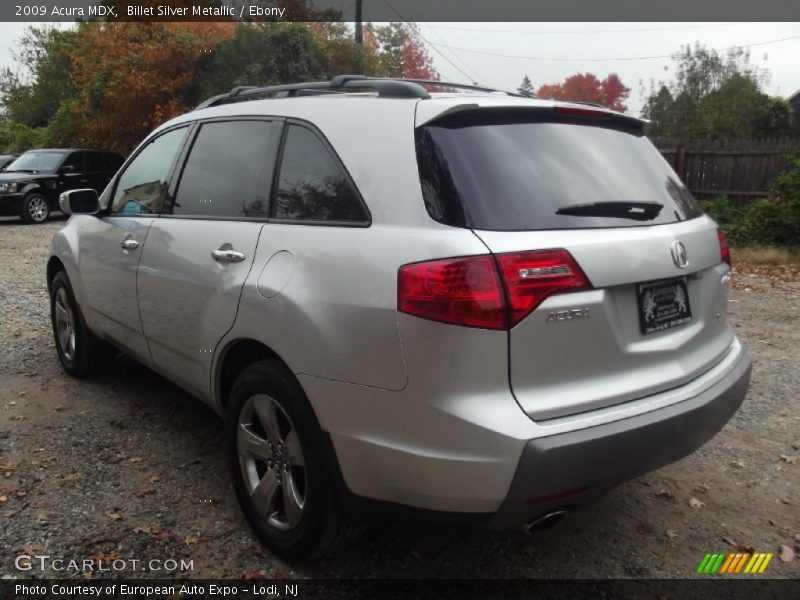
{"x":597,"y":458}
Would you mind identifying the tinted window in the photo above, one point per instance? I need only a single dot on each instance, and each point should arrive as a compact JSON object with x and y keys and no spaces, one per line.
{"x":94,"y":162}
{"x":501,"y":172}
{"x":112,"y":161}
{"x":229,"y":170}
{"x":142,"y":187}
{"x":75,"y":160}
{"x":312,"y":185}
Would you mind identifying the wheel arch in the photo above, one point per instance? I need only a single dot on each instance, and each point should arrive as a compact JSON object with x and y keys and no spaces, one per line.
{"x":235,"y":357}
{"x":54,"y":265}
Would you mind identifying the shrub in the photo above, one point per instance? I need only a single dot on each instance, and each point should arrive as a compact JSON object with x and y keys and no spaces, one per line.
{"x":770,"y":221}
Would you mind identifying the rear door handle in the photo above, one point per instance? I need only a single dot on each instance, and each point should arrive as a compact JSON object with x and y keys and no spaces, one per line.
{"x":226,"y":254}
{"x":129,"y":244}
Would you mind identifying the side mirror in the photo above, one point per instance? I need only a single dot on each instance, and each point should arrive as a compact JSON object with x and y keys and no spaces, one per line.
{"x":79,"y":202}
{"x":67,"y":169}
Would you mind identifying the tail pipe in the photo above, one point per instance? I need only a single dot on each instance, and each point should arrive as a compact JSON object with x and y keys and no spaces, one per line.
{"x":545,"y":521}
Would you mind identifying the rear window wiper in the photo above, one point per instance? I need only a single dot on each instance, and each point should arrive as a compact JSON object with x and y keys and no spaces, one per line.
{"x":637,"y":211}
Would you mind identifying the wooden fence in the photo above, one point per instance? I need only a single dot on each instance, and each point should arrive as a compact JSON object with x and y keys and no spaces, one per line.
{"x":738,"y":169}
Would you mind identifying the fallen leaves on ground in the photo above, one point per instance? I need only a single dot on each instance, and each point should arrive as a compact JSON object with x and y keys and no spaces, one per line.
{"x":695,"y":503}
{"x":671,"y":534}
{"x":72,"y":477}
{"x":787,"y":553}
{"x":729,"y":541}
{"x":789,"y":459}
{"x":114,"y":516}
{"x":703,"y":488}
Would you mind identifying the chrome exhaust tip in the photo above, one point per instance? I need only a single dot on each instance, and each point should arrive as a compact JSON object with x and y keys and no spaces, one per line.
{"x":545,"y":521}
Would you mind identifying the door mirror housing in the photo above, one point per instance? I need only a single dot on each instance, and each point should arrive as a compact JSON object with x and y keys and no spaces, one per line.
{"x":67,"y":169}
{"x":79,"y":202}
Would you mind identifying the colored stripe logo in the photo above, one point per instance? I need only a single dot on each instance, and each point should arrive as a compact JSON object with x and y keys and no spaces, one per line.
{"x":731,"y":564}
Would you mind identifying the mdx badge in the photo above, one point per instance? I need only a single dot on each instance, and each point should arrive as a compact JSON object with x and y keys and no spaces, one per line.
{"x":568,"y":315}
{"x":679,"y":256}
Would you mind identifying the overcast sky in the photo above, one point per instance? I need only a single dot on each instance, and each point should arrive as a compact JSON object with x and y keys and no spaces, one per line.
{"x":581,"y":47}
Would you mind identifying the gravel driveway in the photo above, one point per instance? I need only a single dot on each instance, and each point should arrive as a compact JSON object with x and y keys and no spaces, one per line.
{"x":127,"y":466}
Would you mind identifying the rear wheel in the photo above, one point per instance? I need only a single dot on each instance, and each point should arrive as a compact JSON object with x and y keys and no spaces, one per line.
{"x":35,"y":209}
{"x":280,"y":468}
{"x":79,"y":350}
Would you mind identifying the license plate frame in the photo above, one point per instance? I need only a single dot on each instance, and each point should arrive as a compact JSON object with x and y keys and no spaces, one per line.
{"x":663,"y":304}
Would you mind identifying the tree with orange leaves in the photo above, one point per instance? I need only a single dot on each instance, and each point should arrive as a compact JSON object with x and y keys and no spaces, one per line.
{"x":130,"y":77}
{"x":586,"y":87}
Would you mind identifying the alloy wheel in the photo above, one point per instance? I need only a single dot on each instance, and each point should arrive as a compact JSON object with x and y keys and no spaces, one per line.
{"x":38,"y":209}
{"x":272,"y":462}
{"x":65,"y":324}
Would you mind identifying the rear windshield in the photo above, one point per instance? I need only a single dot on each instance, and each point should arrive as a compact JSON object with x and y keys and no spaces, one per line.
{"x":506,"y":172}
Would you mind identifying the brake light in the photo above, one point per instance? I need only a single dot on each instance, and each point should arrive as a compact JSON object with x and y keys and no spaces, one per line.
{"x":472,"y":292}
{"x":530,"y":277}
{"x":724,"y":249}
{"x":590,"y":113}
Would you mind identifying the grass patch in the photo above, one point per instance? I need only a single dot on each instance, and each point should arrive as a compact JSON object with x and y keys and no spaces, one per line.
{"x":767,"y":256}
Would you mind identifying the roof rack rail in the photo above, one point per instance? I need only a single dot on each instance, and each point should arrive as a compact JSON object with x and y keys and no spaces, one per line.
{"x":386,"y":87}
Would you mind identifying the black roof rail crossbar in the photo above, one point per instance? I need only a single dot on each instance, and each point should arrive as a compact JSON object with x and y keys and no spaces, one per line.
{"x":391,"y":88}
{"x":462,"y":86}
{"x":386,"y":87}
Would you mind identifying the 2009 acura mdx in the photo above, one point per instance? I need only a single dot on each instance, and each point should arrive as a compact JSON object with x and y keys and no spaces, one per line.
{"x":468,"y":304}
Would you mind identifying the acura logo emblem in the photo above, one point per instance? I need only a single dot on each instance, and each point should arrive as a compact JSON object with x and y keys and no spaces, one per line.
{"x":679,"y":256}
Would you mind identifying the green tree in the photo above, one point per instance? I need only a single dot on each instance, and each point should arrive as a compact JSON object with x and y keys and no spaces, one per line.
{"x":32,"y":94}
{"x":526,"y":87}
{"x":713,"y":96}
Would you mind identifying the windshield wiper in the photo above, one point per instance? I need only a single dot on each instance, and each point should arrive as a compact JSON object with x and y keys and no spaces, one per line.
{"x":637,"y":211}
{"x":20,"y":171}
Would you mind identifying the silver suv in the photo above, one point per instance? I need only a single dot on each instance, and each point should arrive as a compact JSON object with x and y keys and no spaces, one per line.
{"x":466,"y":304}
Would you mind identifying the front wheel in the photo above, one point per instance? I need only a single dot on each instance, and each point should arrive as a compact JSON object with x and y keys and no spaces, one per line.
{"x":279,"y":465}
{"x":79,"y":350}
{"x":35,"y":209}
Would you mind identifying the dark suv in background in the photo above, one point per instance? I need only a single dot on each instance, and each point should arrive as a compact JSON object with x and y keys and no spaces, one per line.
{"x":31,"y":184}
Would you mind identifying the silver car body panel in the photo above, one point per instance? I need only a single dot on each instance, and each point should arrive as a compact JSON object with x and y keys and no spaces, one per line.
{"x":107,"y":278}
{"x":555,"y":372}
{"x":189,"y":301}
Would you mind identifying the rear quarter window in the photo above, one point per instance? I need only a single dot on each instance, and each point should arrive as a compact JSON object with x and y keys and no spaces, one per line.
{"x":510,"y":172}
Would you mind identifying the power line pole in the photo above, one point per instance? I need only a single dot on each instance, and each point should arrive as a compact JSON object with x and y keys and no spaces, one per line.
{"x":359,"y":27}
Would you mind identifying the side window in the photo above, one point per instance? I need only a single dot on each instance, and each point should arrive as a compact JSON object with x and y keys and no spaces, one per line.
{"x":75,"y":160}
{"x":142,"y":187}
{"x":229,"y":170}
{"x":94,"y":162}
{"x":312,"y":186}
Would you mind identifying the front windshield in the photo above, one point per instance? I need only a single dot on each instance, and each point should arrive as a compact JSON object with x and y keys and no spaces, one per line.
{"x":36,"y":161}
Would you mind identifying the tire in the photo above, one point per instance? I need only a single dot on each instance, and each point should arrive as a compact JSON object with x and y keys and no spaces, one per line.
{"x":80,"y":352}
{"x":35,"y":209}
{"x":268,"y":406}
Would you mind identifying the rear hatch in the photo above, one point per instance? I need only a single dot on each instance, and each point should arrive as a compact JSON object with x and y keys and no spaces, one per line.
{"x":650,"y":313}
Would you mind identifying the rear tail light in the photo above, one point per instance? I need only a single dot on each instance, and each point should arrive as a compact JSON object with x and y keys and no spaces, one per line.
{"x":724,"y":249}
{"x":530,"y":277}
{"x":476,"y":291}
